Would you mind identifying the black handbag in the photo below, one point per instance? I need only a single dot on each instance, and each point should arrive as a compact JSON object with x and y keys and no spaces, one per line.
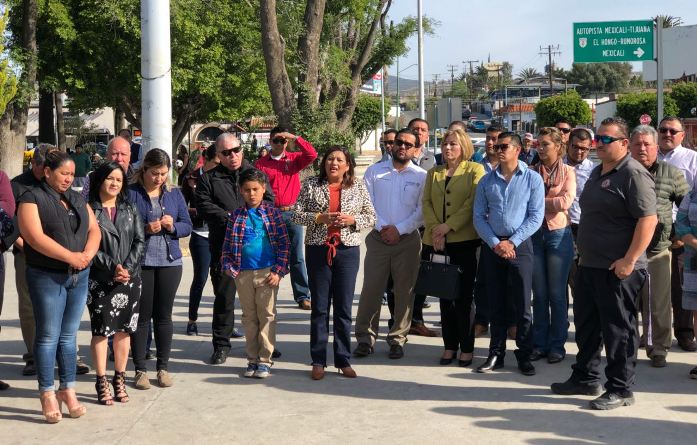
{"x":440,"y":280}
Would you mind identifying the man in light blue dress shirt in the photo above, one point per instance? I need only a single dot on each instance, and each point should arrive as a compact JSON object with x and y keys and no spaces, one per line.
{"x":508,"y":209}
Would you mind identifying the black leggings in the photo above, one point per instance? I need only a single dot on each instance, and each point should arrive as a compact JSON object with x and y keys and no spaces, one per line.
{"x":156,"y":301}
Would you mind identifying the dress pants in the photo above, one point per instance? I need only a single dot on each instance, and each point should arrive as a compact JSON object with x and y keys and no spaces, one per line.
{"x":381,"y":260}
{"x":605,"y":314}
{"x":659,"y":298}
{"x":514,"y":277}
{"x":223,"y":306}
{"x":682,"y":319}
{"x":26,"y":310}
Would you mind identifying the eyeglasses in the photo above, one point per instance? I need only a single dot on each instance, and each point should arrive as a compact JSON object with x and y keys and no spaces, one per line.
{"x":672,"y":131}
{"x":579,"y":148}
{"x":564,"y":130}
{"x":401,"y":143}
{"x":501,"y":147}
{"x":388,"y":142}
{"x":230,"y":151}
{"x":279,"y":140}
{"x":605,"y":140}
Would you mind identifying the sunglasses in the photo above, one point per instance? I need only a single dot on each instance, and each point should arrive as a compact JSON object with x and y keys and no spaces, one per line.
{"x":388,"y":142}
{"x":564,"y":130}
{"x":401,"y":143}
{"x":501,"y":147}
{"x":279,"y":140}
{"x":230,"y":151}
{"x":605,"y":139}
{"x":672,"y":131}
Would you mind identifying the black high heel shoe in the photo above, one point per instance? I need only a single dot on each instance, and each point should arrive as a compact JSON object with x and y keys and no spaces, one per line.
{"x":447,"y":361}
{"x":463,"y":363}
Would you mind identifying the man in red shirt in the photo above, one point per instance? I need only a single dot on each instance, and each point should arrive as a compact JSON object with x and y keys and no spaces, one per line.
{"x":283,"y":167}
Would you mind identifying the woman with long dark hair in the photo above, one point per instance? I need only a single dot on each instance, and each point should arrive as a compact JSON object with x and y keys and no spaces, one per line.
{"x":166,"y":219}
{"x":61,"y":237}
{"x":114,"y":283}
{"x":335,"y":207}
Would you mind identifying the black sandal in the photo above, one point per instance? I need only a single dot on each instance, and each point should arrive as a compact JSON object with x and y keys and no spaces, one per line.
{"x":104,"y":396}
{"x":119,"y":382}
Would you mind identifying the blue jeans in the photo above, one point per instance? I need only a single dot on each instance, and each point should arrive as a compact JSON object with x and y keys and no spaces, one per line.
{"x":298,"y":272}
{"x":201,"y":259}
{"x":59,"y":300}
{"x":554,"y":252}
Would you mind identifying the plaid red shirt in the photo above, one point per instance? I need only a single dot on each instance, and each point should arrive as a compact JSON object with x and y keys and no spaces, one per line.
{"x":234,"y":235}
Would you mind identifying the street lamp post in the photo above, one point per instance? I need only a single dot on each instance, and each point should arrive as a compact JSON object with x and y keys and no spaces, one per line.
{"x":399,"y":108}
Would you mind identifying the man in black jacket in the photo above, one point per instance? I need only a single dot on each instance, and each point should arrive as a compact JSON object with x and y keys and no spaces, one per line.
{"x":218,"y":194}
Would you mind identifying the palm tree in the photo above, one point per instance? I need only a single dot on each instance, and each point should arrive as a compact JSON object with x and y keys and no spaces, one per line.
{"x":669,"y":21}
{"x":528,"y":74}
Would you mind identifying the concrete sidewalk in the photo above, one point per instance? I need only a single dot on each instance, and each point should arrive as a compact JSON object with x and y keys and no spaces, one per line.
{"x":413,"y":400}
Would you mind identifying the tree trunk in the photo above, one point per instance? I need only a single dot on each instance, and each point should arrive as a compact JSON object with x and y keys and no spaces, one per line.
{"x":282,"y":97}
{"x":13,"y":123}
{"x":308,"y":49}
{"x":47,"y":128}
{"x":181,"y":127}
{"x":60,"y":122}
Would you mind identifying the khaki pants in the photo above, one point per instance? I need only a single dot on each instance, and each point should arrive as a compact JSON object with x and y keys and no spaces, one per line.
{"x":258,"y":302}
{"x":659,"y":276}
{"x":26,"y":310}
{"x":402,"y":262}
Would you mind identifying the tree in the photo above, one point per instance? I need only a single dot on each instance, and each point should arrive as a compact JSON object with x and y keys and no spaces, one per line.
{"x":600,"y":77}
{"x":568,"y":105}
{"x":320,"y":55}
{"x":367,"y":116}
{"x":8,"y":81}
{"x":23,"y":53}
{"x":528,"y":74}
{"x":685,"y":96}
{"x":632,"y":105}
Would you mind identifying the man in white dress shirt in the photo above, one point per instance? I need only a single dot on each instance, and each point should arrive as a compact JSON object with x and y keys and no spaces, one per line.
{"x":394,"y":246}
{"x":670,"y":136}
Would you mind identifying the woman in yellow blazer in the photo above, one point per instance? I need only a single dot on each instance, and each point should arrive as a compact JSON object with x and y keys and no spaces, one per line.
{"x":448,"y":200}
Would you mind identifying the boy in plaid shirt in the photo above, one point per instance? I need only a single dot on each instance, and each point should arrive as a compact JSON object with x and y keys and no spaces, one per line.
{"x":255,"y":254}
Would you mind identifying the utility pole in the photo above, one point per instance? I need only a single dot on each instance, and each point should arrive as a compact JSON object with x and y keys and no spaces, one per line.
{"x":470,"y":64}
{"x":452,"y":69}
{"x":550,"y":51}
{"x":422,"y":103}
{"x":435,"y":85}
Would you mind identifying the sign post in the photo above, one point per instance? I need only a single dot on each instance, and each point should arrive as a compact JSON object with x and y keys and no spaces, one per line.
{"x":622,"y":41}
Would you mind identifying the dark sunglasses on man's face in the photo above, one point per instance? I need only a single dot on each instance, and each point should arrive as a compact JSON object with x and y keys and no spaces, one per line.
{"x":605,"y":139}
{"x":279,"y":140}
{"x":501,"y":147}
{"x":564,"y":130}
{"x":401,"y":143}
{"x":672,"y":131}
{"x":229,"y":151}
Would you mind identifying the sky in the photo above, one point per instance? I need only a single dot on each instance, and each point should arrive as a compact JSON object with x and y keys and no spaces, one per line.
{"x":514,"y":30}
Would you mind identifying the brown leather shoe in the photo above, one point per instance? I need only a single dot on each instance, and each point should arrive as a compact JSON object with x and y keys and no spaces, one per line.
{"x":305,"y":305}
{"x":480,"y":330}
{"x":348,"y":371}
{"x":422,"y":330}
{"x":317,"y":372}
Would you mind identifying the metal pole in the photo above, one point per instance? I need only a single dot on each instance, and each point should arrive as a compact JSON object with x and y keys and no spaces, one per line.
{"x":399,"y":106}
{"x":382,"y":97}
{"x":155,"y":68}
{"x":659,"y":68}
{"x":422,"y":105}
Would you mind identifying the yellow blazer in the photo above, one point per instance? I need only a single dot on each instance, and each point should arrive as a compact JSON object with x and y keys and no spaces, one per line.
{"x":458,"y":198}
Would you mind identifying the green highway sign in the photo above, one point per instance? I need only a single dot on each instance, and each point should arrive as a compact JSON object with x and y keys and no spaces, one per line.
{"x":625,"y":41}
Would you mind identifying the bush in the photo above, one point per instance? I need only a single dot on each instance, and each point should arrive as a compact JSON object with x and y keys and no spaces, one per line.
{"x":568,"y":105}
{"x":631,"y":106}
{"x":685,"y":96}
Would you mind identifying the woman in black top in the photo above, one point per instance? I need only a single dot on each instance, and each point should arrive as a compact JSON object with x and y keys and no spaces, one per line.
{"x":60,"y":238}
{"x":114,"y":283}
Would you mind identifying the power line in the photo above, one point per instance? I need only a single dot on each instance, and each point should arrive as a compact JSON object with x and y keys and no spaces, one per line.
{"x":452,"y":69}
{"x":551,"y":50}
{"x":470,"y":64}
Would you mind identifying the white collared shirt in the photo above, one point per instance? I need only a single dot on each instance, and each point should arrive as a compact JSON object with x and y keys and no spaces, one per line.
{"x":396,"y":195}
{"x":686,"y":160}
{"x":583,"y":171}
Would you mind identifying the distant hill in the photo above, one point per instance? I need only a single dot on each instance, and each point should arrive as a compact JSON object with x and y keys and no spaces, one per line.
{"x":404,"y":84}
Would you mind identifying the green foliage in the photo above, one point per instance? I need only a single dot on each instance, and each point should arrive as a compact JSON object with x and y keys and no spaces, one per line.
{"x":600,"y":77}
{"x":8,"y":81}
{"x":685,"y":96}
{"x":528,"y":74}
{"x":367,"y":116}
{"x":312,"y":125}
{"x":567,"y":105}
{"x":631,"y":106}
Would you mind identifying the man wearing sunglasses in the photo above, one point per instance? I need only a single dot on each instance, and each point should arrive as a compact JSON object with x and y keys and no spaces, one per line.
{"x":218,"y":194}
{"x":564,"y":126}
{"x":509,"y":207}
{"x":387,"y":144}
{"x":618,"y":219}
{"x":282,"y":166}
{"x":670,"y":137}
{"x":393,"y":247}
